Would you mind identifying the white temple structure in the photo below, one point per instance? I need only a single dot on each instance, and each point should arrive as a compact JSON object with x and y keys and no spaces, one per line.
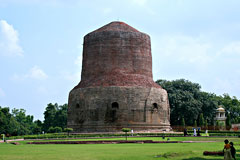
{"x":220,"y":115}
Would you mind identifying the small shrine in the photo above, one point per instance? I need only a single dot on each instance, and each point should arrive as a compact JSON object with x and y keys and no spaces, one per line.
{"x":220,"y":115}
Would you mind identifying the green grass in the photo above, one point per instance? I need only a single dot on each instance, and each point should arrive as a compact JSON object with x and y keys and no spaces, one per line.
{"x":218,"y":139}
{"x":171,"y":151}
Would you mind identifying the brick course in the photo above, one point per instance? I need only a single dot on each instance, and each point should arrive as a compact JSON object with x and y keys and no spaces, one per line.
{"x":117,"y":68}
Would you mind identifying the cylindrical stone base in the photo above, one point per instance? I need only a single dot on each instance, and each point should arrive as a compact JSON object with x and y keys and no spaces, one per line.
{"x":109,"y":109}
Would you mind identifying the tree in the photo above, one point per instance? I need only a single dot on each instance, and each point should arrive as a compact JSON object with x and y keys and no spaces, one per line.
{"x":183,"y":122}
{"x":68,"y":130}
{"x":188,"y":101}
{"x":217,"y":125}
{"x":5,"y":118}
{"x":49,"y":116}
{"x":231,"y":105}
{"x":209,"y":105}
{"x":183,"y":100}
{"x":55,"y":115}
{"x":206,"y":124}
{"x":25,"y":121}
{"x":51,"y":130}
{"x":228,"y":122}
{"x":37,"y":127}
{"x":126,"y":130}
{"x":36,"y":130}
{"x":57,"y":129}
{"x":61,"y":116}
{"x":16,"y":122}
{"x":201,"y":120}
{"x":195,"y":124}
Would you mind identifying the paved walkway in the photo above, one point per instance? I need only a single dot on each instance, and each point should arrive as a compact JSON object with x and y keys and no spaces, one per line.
{"x":12,"y":140}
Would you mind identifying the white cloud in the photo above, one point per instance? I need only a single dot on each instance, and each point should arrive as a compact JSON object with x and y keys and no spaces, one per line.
{"x":34,"y":73}
{"x":2,"y":93}
{"x":74,"y":77}
{"x":9,"y":41}
{"x":223,"y":85}
{"x":37,"y":73}
{"x":232,"y":48}
{"x":184,"y":49}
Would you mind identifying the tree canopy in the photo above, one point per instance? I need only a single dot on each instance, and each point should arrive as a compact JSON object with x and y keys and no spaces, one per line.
{"x":188,"y":101}
{"x":188,"y":105}
{"x":55,"y":116}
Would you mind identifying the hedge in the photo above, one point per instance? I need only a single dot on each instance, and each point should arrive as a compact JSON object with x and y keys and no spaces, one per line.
{"x":60,"y":135}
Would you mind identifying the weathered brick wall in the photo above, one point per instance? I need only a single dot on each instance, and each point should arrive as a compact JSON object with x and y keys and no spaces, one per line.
{"x":116,"y":56}
{"x":92,"y":109}
{"x":117,"y":89}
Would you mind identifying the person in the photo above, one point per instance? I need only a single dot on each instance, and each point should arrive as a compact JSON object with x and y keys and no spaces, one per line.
{"x":227,"y":150}
{"x":194,"y":132}
{"x":198,"y":132}
{"x":206,"y":133}
{"x":185,"y":132}
{"x":233,"y":150}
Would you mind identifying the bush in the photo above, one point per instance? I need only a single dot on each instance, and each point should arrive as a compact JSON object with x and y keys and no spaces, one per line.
{"x":54,"y":130}
{"x":68,"y":130}
{"x":79,"y":135}
{"x":51,"y":130}
{"x":58,"y":129}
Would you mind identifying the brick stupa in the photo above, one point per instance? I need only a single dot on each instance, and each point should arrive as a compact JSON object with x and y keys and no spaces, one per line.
{"x":117,"y":89}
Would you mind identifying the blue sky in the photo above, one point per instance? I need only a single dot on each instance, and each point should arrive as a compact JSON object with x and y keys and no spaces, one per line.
{"x":41,"y":44}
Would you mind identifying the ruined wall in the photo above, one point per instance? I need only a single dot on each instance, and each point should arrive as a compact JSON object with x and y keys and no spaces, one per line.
{"x":117,"y":58}
{"x":113,"y":108}
{"x":116,"y":88}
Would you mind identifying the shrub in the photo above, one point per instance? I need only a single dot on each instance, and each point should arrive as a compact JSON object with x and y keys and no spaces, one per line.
{"x":54,"y":130}
{"x":126,"y":130}
{"x":68,"y":130}
{"x":51,"y":130}
{"x":57,"y":129}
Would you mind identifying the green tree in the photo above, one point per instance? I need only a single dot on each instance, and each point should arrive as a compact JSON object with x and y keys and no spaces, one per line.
{"x":37,"y":130}
{"x":195,"y":124}
{"x":68,"y":130}
{"x":61,"y":116}
{"x":126,"y":130}
{"x":15,"y":123}
{"x":209,"y":105}
{"x":201,"y":120}
{"x":228,"y":122}
{"x":49,"y":116}
{"x":217,"y":125}
{"x":183,"y":100}
{"x":231,"y":105}
{"x":25,"y":121}
{"x":183,"y":122}
{"x":55,"y":115}
{"x":188,"y":101}
{"x":5,"y":118}
{"x":57,"y":129}
{"x":51,"y":130}
{"x":206,"y":124}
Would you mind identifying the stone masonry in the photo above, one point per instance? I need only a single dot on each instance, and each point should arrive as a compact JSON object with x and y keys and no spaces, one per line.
{"x":116,"y":88}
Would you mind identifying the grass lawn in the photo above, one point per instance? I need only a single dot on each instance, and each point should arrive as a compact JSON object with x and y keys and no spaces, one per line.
{"x":183,"y":151}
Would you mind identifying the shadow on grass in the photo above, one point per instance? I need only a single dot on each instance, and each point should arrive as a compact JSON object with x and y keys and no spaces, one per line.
{"x":199,"y":158}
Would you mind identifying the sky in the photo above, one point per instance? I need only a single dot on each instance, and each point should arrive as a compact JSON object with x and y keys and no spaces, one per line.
{"x":41,"y":44}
